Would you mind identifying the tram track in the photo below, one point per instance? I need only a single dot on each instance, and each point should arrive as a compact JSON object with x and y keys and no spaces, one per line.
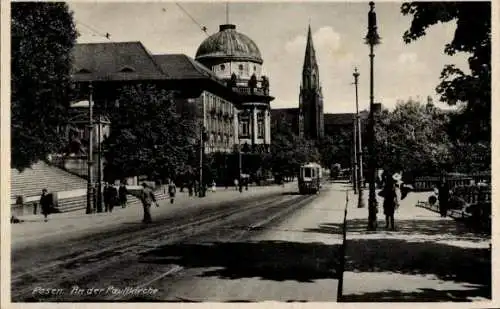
{"x":78,"y":266}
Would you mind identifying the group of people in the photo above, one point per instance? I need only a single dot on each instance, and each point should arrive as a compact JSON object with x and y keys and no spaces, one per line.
{"x":113,"y":197}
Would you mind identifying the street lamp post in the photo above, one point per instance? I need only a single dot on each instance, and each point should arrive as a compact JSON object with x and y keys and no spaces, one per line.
{"x":90,"y":188}
{"x":372,"y":39}
{"x":99,"y":165}
{"x":361,"y":202}
{"x":201,"y":191}
{"x":355,"y":157}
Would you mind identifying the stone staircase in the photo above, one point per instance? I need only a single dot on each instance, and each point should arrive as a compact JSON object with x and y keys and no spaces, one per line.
{"x":41,"y":175}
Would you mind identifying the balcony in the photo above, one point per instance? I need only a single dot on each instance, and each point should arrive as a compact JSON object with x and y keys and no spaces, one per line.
{"x":250,"y":91}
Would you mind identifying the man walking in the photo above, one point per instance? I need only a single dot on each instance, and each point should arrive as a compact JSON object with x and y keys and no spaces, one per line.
{"x":171,"y":191}
{"x":147,"y":198}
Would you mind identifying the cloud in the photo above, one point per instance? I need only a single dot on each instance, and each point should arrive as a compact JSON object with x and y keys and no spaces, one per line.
{"x":408,"y":58}
{"x":324,"y":38}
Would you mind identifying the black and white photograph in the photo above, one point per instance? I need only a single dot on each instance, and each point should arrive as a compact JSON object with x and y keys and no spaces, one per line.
{"x":221,"y":152}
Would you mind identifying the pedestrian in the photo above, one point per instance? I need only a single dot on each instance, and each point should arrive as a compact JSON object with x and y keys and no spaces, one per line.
{"x":122,"y":194}
{"x":236,"y":184}
{"x":443,"y":197}
{"x":147,"y":198}
{"x":106,"y":197}
{"x":390,"y":201}
{"x":213,"y":186}
{"x":113,"y":197}
{"x":171,"y":191}
{"x":46,"y":203}
{"x":190,"y":188}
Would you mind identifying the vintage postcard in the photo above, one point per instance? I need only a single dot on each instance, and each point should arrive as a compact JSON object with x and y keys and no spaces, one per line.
{"x":220,"y":152}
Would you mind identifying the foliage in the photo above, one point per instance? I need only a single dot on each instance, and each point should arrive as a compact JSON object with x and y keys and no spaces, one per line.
{"x":337,"y":148}
{"x":43,"y":35}
{"x":149,"y":136}
{"x":413,"y":138}
{"x":289,"y":151}
{"x":473,"y":36}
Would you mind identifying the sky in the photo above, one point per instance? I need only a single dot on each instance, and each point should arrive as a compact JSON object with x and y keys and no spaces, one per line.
{"x":279,"y":29}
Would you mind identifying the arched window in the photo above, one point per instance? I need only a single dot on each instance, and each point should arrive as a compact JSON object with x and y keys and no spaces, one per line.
{"x":222,"y":67}
{"x":127,"y":69}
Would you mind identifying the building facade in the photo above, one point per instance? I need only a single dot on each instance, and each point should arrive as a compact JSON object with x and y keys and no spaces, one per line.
{"x":236,"y":60}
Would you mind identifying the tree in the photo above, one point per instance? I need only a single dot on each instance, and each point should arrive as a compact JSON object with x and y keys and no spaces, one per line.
{"x":149,"y":136}
{"x":43,"y":35}
{"x":473,"y":36}
{"x":289,"y":151}
{"x":413,"y":138}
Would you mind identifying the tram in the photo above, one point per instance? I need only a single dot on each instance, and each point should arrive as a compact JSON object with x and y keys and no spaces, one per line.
{"x":310,"y":178}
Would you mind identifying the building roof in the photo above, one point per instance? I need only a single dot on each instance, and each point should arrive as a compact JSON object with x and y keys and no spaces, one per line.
{"x":341,"y":118}
{"x":179,"y":66}
{"x":284,"y":112}
{"x":114,"y":61}
{"x":228,"y":44}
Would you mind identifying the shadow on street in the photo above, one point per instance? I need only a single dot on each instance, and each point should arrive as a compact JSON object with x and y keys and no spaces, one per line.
{"x":407,"y":251}
{"x":269,"y":260}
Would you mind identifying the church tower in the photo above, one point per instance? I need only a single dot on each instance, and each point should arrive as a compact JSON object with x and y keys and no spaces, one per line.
{"x":311,"y":120}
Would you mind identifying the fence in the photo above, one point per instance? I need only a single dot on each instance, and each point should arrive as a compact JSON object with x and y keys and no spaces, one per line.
{"x":428,"y":183}
{"x":468,"y":202}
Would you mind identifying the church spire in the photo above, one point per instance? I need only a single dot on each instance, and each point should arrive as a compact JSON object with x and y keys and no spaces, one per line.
{"x":310,"y":55}
{"x":310,"y":72}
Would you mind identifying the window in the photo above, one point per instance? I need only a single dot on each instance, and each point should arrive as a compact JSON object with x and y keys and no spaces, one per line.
{"x":307,"y":173}
{"x":255,"y":68}
{"x":127,"y":69}
{"x":222,"y":67}
{"x":260,"y":128}
{"x":244,"y":127}
{"x":260,"y":125}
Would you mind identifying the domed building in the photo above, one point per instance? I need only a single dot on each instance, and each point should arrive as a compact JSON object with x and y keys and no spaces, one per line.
{"x":236,"y":60}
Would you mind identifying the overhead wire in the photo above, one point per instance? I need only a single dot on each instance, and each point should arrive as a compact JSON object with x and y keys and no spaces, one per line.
{"x":202,"y":27}
{"x":96,"y":32}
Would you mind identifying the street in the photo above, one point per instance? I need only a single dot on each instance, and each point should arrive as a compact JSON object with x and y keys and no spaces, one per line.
{"x":230,"y":251}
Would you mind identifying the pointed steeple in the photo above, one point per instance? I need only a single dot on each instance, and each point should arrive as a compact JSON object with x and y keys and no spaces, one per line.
{"x":310,"y":55}
{"x":311,"y":99}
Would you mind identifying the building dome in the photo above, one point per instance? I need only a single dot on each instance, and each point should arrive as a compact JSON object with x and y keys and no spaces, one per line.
{"x":228,"y":44}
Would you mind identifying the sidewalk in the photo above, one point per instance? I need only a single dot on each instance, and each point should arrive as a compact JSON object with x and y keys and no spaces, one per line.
{"x":427,"y":258}
{"x":75,"y":223}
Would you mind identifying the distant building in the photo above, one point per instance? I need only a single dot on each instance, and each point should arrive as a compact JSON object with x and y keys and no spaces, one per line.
{"x":118,"y":64}
{"x":236,"y":60}
{"x":309,"y":119}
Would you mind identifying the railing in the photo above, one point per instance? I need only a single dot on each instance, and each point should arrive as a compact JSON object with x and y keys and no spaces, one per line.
{"x":429,"y":183}
{"x":250,"y":91}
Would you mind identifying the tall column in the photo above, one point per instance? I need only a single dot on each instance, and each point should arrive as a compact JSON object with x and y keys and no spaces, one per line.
{"x":267,"y":127}
{"x":254,"y":127}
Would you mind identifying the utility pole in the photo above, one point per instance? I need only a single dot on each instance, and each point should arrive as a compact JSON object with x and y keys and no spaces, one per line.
{"x":201,"y":191}
{"x":372,"y":39}
{"x":361,"y":202}
{"x":90,"y":185}
{"x":99,"y":165}
{"x":355,"y":155}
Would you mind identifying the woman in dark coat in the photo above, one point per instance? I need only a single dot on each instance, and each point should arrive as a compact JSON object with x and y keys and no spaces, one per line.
{"x":122,"y":195}
{"x":390,"y":202}
{"x":46,"y":203}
